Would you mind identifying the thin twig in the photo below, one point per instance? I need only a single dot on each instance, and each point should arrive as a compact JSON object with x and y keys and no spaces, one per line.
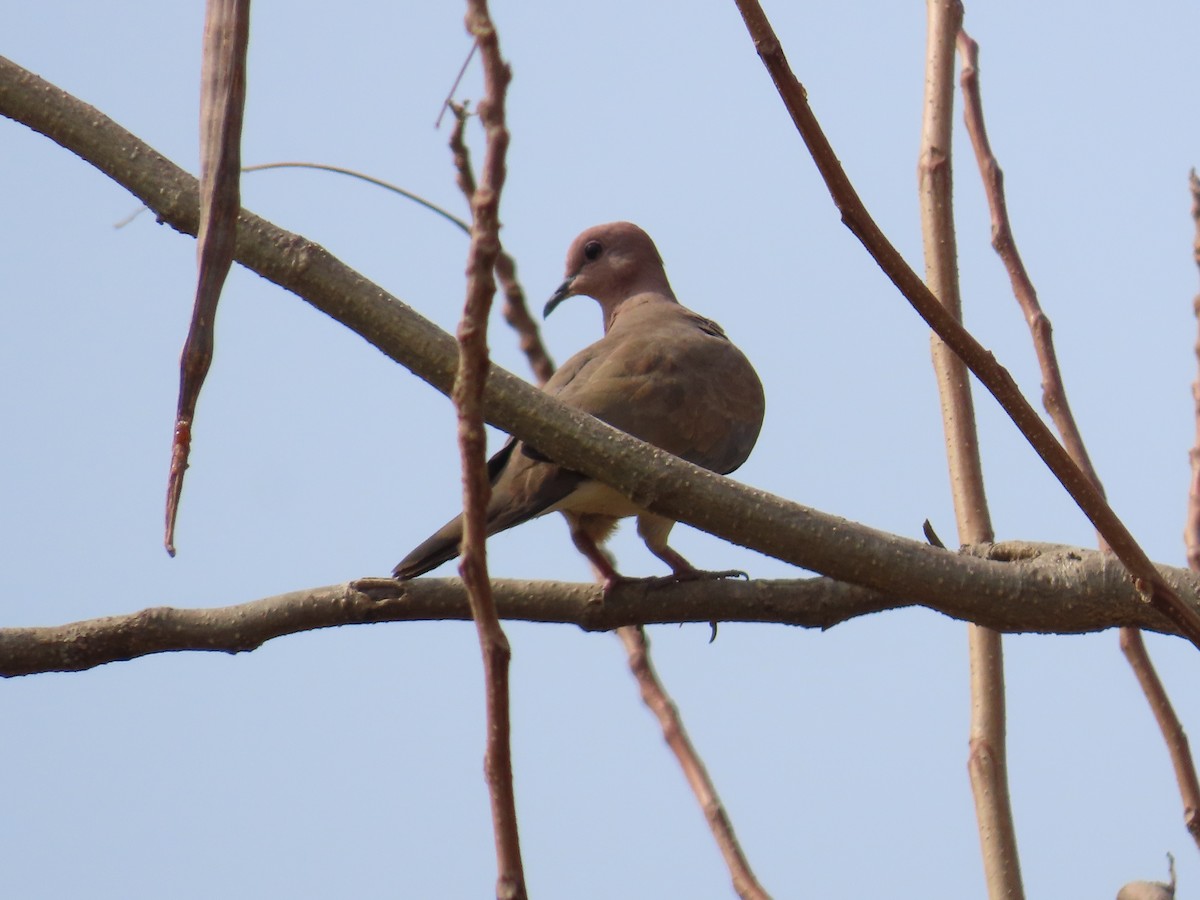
{"x":1191,"y":531}
{"x":468,"y":400}
{"x":1173,"y":734}
{"x":449,"y":101}
{"x":378,"y":182}
{"x":1054,"y":397}
{"x":981,"y":362}
{"x":515,"y":311}
{"x":637,"y":646}
{"x":987,"y":755}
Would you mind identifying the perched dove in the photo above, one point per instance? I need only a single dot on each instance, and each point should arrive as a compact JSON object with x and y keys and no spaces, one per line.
{"x":661,"y":373}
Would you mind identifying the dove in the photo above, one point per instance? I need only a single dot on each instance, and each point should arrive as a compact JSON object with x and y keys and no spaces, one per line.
{"x":661,"y":373}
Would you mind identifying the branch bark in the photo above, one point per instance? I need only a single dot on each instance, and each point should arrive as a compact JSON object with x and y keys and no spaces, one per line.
{"x":472,"y":441}
{"x":1041,"y":588}
{"x":987,"y":759}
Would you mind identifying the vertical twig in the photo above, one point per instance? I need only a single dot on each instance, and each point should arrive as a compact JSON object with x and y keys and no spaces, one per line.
{"x":655,"y":696}
{"x":1191,"y":531}
{"x":1054,"y":397}
{"x":987,"y":763}
{"x":515,"y":311}
{"x":995,"y":377}
{"x":468,"y":400}
{"x":222,"y":103}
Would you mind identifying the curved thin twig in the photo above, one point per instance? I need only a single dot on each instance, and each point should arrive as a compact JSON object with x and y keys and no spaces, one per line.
{"x":370,"y":179}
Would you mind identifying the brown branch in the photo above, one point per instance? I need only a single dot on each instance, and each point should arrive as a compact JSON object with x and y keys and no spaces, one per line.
{"x":1173,"y":734}
{"x":637,"y":646}
{"x":1039,"y":588}
{"x":1191,"y":532}
{"x":515,"y":310}
{"x":987,"y":756}
{"x":806,"y":537}
{"x":981,"y":362}
{"x":468,"y":401}
{"x":1054,"y":398}
{"x":222,"y":103}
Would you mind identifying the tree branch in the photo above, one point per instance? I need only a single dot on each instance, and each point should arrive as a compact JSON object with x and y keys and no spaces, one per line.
{"x":908,"y":571}
{"x":1041,"y":588}
{"x":987,"y":758}
{"x":1054,"y":398}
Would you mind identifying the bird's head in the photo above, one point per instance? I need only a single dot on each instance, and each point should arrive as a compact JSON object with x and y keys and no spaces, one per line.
{"x":611,"y":263}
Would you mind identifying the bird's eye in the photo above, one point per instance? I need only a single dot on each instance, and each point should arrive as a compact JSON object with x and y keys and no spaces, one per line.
{"x":592,"y":250}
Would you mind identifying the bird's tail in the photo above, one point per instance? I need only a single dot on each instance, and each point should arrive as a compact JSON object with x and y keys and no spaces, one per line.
{"x":441,"y":546}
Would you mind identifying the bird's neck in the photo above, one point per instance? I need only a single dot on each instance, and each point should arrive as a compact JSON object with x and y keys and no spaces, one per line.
{"x":630,"y":303}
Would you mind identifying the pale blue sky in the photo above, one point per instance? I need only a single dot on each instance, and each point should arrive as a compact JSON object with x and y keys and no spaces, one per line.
{"x":348,"y":762}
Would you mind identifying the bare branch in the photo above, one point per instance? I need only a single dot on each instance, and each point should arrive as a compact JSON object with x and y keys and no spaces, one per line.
{"x":981,"y":362}
{"x":1022,"y":587}
{"x":472,"y":440}
{"x":515,"y":311}
{"x":637,"y":646}
{"x":1054,"y":398}
{"x":904,"y":569}
{"x":1191,"y":532}
{"x":987,"y":757}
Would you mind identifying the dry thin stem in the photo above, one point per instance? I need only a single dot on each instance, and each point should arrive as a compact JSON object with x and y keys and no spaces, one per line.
{"x":655,"y":697}
{"x":362,"y":176}
{"x":1191,"y":532}
{"x":1173,"y":734}
{"x":515,"y":311}
{"x":468,"y":400}
{"x":449,"y":101}
{"x":994,"y":376}
{"x":987,"y":759}
{"x":222,"y":103}
{"x":1054,"y":397}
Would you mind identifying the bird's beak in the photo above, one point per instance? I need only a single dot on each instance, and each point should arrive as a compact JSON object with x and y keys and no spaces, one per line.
{"x":563,"y":292}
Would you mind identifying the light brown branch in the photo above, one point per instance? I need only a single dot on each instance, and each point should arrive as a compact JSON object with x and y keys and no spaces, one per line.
{"x":1054,"y":398}
{"x":1024,"y":588}
{"x":994,"y":376}
{"x":987,"y":755}
{"x":468,"y":401}
{"x":637,"y":646}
